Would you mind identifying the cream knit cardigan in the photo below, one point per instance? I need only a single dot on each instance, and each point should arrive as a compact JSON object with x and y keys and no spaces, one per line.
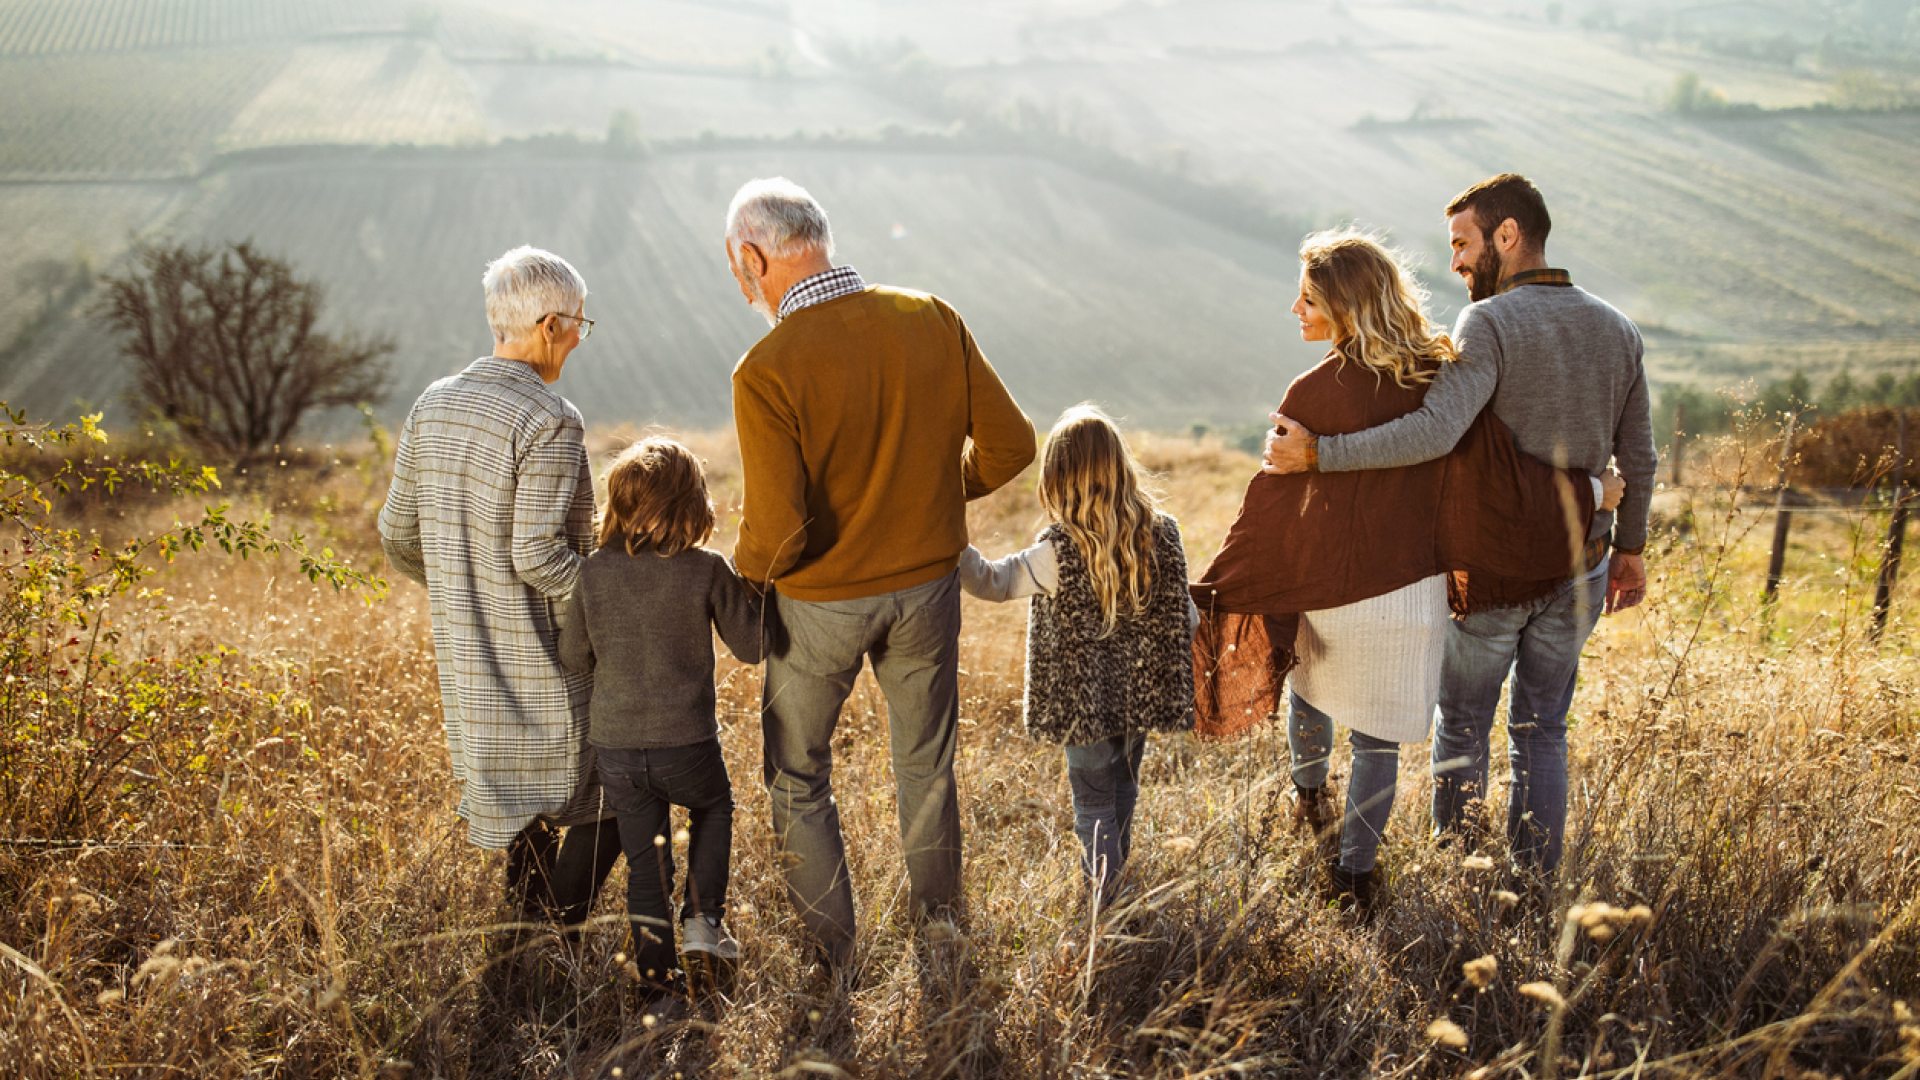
{"x":1374,"y":665}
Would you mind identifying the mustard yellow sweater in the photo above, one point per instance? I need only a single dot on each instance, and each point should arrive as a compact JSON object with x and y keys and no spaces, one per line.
{"x":866,"y":423}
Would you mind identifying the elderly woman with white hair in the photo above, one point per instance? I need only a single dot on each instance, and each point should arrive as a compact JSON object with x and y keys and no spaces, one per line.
{"x":491,"y":508}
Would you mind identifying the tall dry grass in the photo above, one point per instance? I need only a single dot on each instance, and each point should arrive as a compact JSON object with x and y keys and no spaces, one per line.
{"x":275,"y":884}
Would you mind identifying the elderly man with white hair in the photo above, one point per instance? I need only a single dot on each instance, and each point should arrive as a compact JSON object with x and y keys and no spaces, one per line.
{"x":867,"y":418}
{"x":491,"y":508}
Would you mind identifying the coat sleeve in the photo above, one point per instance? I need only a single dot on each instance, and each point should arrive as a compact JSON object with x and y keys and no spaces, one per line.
{"x":547,"y":479}
{"x":400,"y":517}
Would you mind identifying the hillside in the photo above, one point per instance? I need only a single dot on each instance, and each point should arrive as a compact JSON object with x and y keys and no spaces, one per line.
{"x":400,"y":242}
{"x":1110,"y":192}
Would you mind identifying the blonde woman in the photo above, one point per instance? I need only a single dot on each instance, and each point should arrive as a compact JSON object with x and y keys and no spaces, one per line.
{"x":1108,"y":631}
{"x":1342,"y":578}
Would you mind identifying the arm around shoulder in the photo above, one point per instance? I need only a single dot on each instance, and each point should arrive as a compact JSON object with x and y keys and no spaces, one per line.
{"x":1456,"y":396}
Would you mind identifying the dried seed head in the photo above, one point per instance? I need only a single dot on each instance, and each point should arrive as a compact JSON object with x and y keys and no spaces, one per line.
{"x":1477,"y":863}
{"x":1447,"y":1034}
{"x":1544,"y":993}
{"x":1482,"y":972}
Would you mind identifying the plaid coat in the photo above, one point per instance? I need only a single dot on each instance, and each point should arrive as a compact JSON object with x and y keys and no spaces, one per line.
{"x":491,"y":508}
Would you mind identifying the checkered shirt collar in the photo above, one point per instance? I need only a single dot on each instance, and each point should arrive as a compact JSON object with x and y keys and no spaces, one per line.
{"x":1537,"y":277}
{"x":820,"y":288}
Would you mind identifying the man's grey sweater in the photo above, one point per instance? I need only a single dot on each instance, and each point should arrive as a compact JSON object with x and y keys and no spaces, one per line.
{"x":1562,"y":368}
{"x":643,"y":625}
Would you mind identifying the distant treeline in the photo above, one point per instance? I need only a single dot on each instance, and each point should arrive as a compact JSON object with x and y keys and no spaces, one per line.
{"x":1715,"y":413}
{"x":1852,"y":93}
{"x":1828,"y":35}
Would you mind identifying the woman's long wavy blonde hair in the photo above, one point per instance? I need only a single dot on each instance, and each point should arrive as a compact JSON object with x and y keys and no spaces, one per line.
{"x":1091,"y":485}
{"x":1375,"y":307}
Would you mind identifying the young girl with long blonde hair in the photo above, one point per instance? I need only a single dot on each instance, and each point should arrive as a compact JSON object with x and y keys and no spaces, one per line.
{"x":1109,"y":630}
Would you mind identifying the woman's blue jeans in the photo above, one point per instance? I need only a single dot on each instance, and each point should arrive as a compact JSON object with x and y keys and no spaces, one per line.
{"x":1105,"y":776}
{"x":1376,"y":777}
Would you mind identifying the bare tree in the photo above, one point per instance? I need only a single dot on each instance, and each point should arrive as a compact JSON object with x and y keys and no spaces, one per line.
{"x":224,"y":345}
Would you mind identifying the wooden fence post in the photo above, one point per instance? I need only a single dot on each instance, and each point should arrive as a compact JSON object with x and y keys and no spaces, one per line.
{"x":1782,"y":517}
{"x":1679,"y":435}
{"x":1896,"y":534}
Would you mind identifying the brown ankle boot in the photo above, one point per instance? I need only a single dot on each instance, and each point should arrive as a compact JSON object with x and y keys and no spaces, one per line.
{"x":1352,"y":892}
{"x":1311,"y":808}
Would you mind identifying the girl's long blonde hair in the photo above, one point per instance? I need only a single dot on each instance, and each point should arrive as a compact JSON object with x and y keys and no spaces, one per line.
{"x":656,"y":499}
{"x":1374,"y":306}
{"x":1091,"y":485}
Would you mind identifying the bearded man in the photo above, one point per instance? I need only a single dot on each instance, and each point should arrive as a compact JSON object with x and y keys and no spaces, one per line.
{"x":1562,"y":368}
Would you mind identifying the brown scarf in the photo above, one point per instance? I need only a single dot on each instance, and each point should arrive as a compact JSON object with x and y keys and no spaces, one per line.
{"x":1313,"y":541}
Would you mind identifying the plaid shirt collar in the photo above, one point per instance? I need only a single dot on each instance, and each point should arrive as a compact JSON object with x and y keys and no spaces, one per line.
{"x":820,"y":288}
{"x":1536,"y":277}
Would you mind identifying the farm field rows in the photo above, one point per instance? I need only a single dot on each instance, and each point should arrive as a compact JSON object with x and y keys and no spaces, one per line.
{"x":124,"y":116}
{"x":523,"y":99}
{"x":41,"y":27}
{"x":399,"y":246}
{"x":739,"y":37}
{"x":392,"y":91}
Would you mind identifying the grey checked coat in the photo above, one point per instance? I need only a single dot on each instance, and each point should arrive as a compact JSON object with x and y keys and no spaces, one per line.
{"x":491,"y":508}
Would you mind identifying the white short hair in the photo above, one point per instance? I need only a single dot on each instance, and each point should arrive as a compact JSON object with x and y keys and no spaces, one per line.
{"x":779,"y":217}
{"x":526,"y":285}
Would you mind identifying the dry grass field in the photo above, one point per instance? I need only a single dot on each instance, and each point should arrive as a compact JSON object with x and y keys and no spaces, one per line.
{"x":260,"y":874}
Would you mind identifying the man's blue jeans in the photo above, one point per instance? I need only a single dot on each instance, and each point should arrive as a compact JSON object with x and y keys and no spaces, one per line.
{"x":913,"y":639}
{"x":1540,"y":644}
{"x":1105,"y":776}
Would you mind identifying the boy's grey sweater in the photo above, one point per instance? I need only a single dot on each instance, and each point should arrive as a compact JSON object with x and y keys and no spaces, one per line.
{"x":643,"y":625}
{"x":1563,"y":370}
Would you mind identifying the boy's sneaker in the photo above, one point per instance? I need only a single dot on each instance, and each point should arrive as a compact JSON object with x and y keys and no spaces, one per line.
{"x":709,"y":952}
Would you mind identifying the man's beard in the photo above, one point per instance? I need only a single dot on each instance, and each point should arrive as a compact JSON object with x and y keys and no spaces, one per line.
{"x":758,"y":301}
{"x":1485,"y":281}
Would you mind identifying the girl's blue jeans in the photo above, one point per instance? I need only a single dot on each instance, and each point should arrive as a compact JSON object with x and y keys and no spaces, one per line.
{"x":1376,"y":776}
{"x":1105,"y":776}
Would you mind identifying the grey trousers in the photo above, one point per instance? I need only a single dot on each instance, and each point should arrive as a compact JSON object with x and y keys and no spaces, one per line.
{"x":913,"y":639}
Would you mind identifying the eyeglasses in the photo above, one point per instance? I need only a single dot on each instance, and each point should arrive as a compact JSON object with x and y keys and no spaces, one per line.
{"x":586,"y":324}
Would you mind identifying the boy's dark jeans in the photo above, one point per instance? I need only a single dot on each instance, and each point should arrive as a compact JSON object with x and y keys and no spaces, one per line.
{"x":642,"y":786}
